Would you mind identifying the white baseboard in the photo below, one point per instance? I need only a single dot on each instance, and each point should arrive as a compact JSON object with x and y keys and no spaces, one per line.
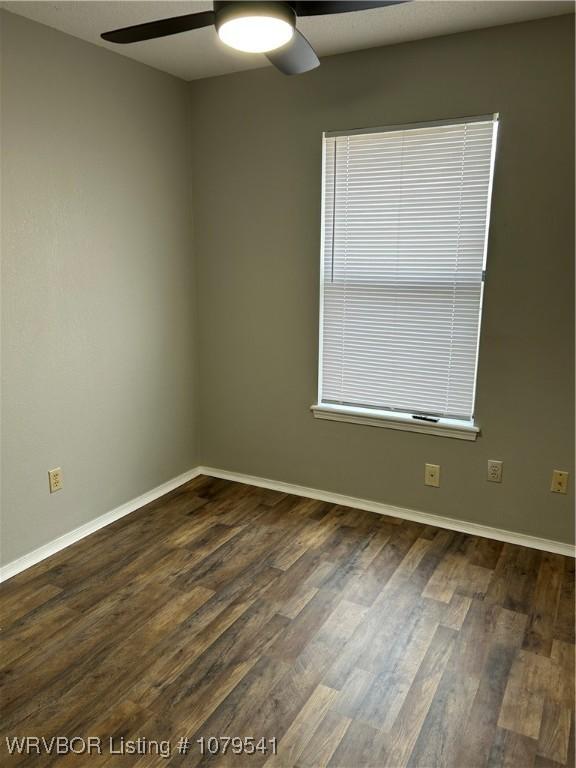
{"x":37,"y":555}
{"x":475,"y":529}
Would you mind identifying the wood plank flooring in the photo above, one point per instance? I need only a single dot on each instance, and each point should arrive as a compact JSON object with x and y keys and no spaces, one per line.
{"x":353,"y":639}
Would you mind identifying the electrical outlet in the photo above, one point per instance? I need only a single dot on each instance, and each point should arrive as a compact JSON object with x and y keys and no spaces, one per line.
{"x":494,"y":471}
{"x":432,"y":475}
{"x":55,"y":480}
{"x":559,"y":481}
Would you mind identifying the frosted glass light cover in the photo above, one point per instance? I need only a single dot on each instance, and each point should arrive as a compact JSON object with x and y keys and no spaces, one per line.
{"x":255,"y":34}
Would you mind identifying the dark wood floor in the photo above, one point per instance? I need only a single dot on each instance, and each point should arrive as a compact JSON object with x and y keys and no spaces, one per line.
{"x":354,"y":639}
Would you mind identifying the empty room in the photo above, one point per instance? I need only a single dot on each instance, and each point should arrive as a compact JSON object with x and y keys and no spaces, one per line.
{"x":287,"y":384}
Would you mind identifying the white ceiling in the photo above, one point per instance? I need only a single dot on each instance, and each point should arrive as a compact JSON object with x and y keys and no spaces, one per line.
{"x":200,"y":53}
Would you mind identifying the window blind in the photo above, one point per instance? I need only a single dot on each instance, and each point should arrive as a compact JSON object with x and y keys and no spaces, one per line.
{"x":405,"y":222}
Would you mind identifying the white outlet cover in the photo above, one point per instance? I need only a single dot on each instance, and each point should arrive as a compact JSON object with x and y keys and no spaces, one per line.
{"x":494,"y":473}
{"x":432,"y":475}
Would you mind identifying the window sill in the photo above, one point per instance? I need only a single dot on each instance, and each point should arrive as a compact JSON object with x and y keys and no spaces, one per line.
{"x":462,"y":430}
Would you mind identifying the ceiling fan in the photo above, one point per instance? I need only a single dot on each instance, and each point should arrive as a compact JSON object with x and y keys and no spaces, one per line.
{"x":254,"y":27}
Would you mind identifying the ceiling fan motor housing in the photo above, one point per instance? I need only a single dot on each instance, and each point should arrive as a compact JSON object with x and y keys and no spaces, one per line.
{"x":226,"y":11}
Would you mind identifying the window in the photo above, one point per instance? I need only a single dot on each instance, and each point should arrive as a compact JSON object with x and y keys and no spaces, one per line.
{"x":404,"y":235}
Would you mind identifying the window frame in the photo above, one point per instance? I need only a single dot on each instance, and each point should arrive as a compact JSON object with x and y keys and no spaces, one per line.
{"x":445,"y":427}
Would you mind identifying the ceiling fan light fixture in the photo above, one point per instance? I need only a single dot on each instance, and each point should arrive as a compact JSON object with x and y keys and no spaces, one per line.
{"x":254,"y":27}
{"x":263,"y":26}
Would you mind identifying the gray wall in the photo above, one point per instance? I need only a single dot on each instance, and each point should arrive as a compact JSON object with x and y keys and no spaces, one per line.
{"x":256,"y":185}
{"x":98,"y":355}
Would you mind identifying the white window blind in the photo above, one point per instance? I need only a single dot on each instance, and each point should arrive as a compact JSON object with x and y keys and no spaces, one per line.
{"x":405,"y":222}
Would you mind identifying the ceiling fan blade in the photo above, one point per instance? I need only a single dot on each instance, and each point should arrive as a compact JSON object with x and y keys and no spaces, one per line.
{"x":294,"y":58}
{"x":160,"y":28}
{"x":340,"y":6}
